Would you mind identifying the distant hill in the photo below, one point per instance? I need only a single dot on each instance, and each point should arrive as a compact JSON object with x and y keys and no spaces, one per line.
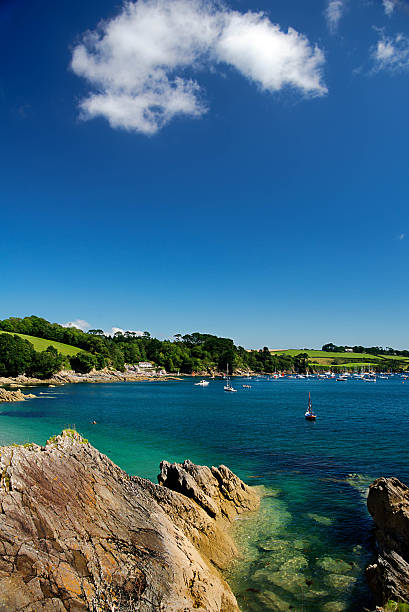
{"x":41,"y":344}
{"x":345,"y":359}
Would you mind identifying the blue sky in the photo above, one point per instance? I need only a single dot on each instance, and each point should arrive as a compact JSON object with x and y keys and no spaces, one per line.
{"x":195,"y":167}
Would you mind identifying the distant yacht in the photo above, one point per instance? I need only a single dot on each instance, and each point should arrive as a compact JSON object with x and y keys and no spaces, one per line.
{"x":309,"y":415}
{"x":227,"y":386}
{"x":202,"y":383}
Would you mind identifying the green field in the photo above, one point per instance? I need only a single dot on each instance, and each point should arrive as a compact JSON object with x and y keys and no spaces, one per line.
{"x":40,"y":344}
{"x":326,"y":355}
{"x":344,"y":360}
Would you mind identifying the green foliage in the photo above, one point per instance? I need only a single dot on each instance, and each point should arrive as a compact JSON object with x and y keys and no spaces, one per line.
{"x":370,"y":350}
{"x":16,"y":355}
{"x":187,"y":353}
{"x":378,"y":363}
{"x":83,"y":362}
{"x":45,"y":364}
{"x":395,"y":606}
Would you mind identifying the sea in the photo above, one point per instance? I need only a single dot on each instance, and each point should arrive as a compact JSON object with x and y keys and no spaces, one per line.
{"x":307,"y":547}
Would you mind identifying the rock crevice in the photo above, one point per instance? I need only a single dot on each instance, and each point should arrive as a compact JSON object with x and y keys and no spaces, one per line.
{"x":78,"y":533}
{"x":388,"y":576}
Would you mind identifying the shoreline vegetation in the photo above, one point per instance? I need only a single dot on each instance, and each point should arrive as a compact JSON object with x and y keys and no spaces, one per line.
{"x":37,"y":349}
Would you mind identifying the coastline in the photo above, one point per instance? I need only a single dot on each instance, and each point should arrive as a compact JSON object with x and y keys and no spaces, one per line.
{"x":94,"y":377}
{"x":114,"y":538}
{"x":70,"y":377}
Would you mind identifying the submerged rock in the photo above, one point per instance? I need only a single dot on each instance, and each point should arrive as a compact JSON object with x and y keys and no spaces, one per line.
{"x":323,"y":520}
{"x":339,"y":581}
{"x":78,"y":533}
{"x":388,"y":577}
{"x":334,"y":566}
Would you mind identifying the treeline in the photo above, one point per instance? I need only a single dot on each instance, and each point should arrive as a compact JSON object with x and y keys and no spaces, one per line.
{"x":17,"y":356}
{"x":371,"y":350}
{"x":187,"y":354}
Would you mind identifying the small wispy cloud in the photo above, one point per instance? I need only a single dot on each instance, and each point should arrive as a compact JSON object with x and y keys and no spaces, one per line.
{"x":140,"y":64}
{"x":389,"y":6}
{"x":401,"y":236}
{"x":391,"y":53}
{"x":334,"y":12}
{"x":78,"y":323}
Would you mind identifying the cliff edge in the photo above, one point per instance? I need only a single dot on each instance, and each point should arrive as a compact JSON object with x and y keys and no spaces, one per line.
{"x":78,"y":533}
{"x":388,"y":577}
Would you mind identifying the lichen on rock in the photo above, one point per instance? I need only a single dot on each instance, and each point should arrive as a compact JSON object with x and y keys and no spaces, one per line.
{"x":78,"y":533}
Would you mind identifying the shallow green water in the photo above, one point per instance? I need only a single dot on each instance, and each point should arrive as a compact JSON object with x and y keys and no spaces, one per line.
{"x":307,"y":547}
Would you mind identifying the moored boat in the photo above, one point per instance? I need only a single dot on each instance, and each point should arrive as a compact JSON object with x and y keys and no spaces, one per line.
{"x":309,"y":415}
{"x":202,"y":383}
{"x":227,"y":386}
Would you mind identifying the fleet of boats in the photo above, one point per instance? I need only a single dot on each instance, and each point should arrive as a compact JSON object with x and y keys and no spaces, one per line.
{"x":309,"y":414}
{"x":341,"y":377}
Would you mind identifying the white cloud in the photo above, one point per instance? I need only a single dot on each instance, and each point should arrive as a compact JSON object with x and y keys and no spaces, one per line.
{"x":391,"y":53}
{"x":137,"y":63}
{"x":401,"y":236}
{"x":334,"y":12}
{"x":389,"y":6}
{"x":78,"y":323}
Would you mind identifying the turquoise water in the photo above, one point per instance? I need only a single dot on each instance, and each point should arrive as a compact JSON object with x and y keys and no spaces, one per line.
{"x":307,"y":547}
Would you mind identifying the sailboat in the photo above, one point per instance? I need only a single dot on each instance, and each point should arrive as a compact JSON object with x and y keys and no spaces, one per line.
{"x":227,"y":386}
{"x":309,"y":415}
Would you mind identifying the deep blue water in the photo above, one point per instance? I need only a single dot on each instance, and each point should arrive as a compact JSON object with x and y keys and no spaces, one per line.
{"x":310,"y":542}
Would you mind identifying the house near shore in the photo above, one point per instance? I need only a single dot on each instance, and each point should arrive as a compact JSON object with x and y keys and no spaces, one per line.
{"x":145,"y":368}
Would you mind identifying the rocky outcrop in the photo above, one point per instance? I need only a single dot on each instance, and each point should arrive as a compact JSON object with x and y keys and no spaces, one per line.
{"x":388,"y":577}
{"x":96,"y":376}
{"x":78,"y":533}
{"x":13,"y":396}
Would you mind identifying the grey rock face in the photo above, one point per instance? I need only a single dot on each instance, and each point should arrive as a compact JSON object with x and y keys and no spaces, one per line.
{"x":388,"y":577}
{"x":78,"y":533}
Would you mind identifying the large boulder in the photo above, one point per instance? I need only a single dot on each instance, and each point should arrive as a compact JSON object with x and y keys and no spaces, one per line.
{"x":78,"y":533}
{"x":388,"y":576}
{"x":13,"y":396}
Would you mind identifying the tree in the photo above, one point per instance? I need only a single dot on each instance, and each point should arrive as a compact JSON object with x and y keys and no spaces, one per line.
{"x":301,"y":363}
{"x":83,"y":362}
{"x":16,"y":355}
{"x":330,"y":347}
{"x":46,"y":363}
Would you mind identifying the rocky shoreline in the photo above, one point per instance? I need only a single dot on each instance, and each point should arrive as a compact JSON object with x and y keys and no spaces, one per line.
{"x":388,"y":576}
{"x":14,"y":396}
{"x":70,"y":377}
{"x":78,"y":533}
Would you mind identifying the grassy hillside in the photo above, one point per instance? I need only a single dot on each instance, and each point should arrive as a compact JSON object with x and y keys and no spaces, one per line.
{"x":345,"y":360}
{"x":40,"y":344}
{"x":324,"y":354}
